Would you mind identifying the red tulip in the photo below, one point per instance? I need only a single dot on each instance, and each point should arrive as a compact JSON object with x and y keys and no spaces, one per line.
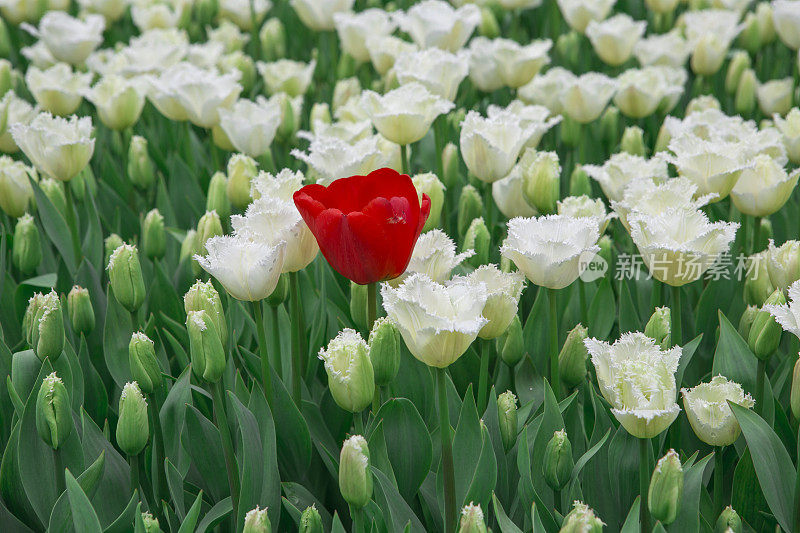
{"x":366,"y":226}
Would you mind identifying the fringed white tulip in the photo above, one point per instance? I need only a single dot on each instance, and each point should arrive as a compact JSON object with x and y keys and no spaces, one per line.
{"x":67,"y":38}
{"x":287,"y":76}
{"x":622,"y":169}
{"x":57,"y":89}
{"x":405,"y":114}
{"x":764,"y":188}
{"x":434,"y":256}
{"x":318,"y":15}
{"x":585,"y":207}
{"x":710,"y":414}
{"x":251,"y":126}
{"x":503,"y":293}
{"x":59,"y":148}
{"x":437,"y":70}
{"x":491,"y":146}
{"x":788,"y":314}
{"x":354,"y":29}
{"x":436,"y":24}
{"x":613,"y":39}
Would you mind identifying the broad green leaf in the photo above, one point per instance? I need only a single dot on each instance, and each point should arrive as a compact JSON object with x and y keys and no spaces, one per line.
{"x":505,"y":523}
{"x":83,"y":516}
{"x":188,"y":524}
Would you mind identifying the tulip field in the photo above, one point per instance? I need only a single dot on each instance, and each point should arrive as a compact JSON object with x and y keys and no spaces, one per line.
{"x":399,"y":266}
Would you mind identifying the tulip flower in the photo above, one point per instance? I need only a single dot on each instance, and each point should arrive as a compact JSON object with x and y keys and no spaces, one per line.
{"x":69,"y":39}
{"x":788,"y":314}
{"x":440,"y":72}
{"x":287,"y":76}
{"x":351,"y":378}
{"x":581,"y":519}
{"x":585,"y":207}
{"x":434,"y":23}
{"x":318,"y":15}
{"x":353,"y":30}
{"x":650,"y":198}
{"x":783,"y":263}
{"x":490,"y":146}
{"x":471,"y":519}
{"x":57,"y":89}
{"x":251,"y":126}
{"x":789,"y":127}
{"x":585,"y":97}
{"x":333,"y":158}
{"x":763,"y":188}
{"x":435,"y":256}
{"x":613,"y":39}
{"x":579,"y":13}
{"x":709,"y":412}
{"x":786,"y":17}
{"x":668,"y":49}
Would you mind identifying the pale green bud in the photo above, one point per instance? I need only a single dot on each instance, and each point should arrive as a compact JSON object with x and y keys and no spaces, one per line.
{"x":384,"y":350}
{"x":581,"y":519}
{"x":470,"y":207}
{"x":204,"y":297}
{"x":133,"y":429}
{"x":311,"y":521}
{"x":47,"y":328}
{"x":55,"y":193}
{"x":154,"y":236}
{"x":659,"y":327}
{"x":289,"y":121}
{"x":488,"y":27}
{"x":557,"y":461}
{"x":150,"y":523}
{"x":143,"y":362}
{"x":450,"y":165}
{"x":273,"y":39}
{"x":579,"y":184}
{"x":765,"y":333}
{"x":745,"y":101}
{"x":355,"y":477}
{"x":125,"y":275}
{"x":351,"y":378}
{"x":344,"y":90}
{"x":609,"y":126}
{"x":606,"y":248}
{"x":757,"y":285}
{"x":750,"y":37}
{"x":241,"y":172}
{"x":794,"y":397}
{"x":739,"y":62}
{"x":766,"y":23}
{"x":472,"y":519}
{"x":358,"y":305}
{"x":111,"y":243}
{"x":221,"y":139}
{"x":16,"y":193}
{"x":29,"y":318}
{"x":507,"y":417}
{"x":478,"y":239}
{"x":140,"y":167}
{"x":26,"y":251}
{"x":701,"y":103}
{"x":5,"y":40}
{"x":429,"y":184}
{"x":746,"y":321}
{"x":320,"y":112}
{"x":242,"y":62}
{"x":217,"y":199}
{"x":572,"y":357}
{"x":278,"y":296}
{"x":53,"y":412}
{"x":568,"y":46}
{"x":205,"y":346}
{"x":208,"y":226}
{"x":6,"y":68}
{"x":662,"y":139}
{"x":510,"y":344}
{"x":541,"y":174}
{"x":633,"y":141}
{"x":190,"y":245}
{"x":728,"y":521}
{"x":257,"y":521}
{"x":666,"y":488}
{"x":79,"y":307}
{"x":455,"y":118}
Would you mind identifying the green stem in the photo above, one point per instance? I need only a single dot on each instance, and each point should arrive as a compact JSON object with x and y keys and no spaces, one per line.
{"x":404,"y":159}
{"x":72,"y":222}
{"x":376,"y":400}
{"x":555,"y":380}
{"x":718,"y":452}
{"x":483,"y":379}
{"x":796,"y":520}
{"x":744,"y":232}
{"x":582,"y":297}
{"x":158,"y":440}
{"x":266,"y":377}
{"x":756,"y":233}
{"x":227,"y":444}
{"x":644,"y":484}
{"x":761,"y":374}
{"x":276,"y":342}
{"x":676,"y":333}
{"x":438,"y":141}
{"x":58,"y":462}
{"x":448,"y":471}
{"x":358,"y":423}
{"x":557,"y":501}
{"x":357,"y":516}
{"x":134,"y":465}
{"x":297,"y":356}
{"x":372,"y":305}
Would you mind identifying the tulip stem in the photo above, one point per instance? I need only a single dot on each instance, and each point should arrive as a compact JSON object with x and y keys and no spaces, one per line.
{"x":677,"y":335}
{"x":448,"y":471}
{"x":483,"y":379}
{"x":221,"y":419}
{"x":376,"y":400}
{"x":358,"y":423}
{"x":276,"y":342}
{"x":58,"y":462}
{"x":582,"y":297}
{"x":796,"y":521}
{"x":404,"y":159}
{"x":555,"y":380}
{"x":718,"y":452}
{"x":262,"y":351}
{"x":134,"y":465}
{"x":297,"y":357}
{"x":357,"y":516}
{"x":158,"y":440}
{"x":372,"y":305}
{"x":644,"y":484}
{"x":756,"y":233}
{"x":72,"y":222}
{"x":761,"y":374}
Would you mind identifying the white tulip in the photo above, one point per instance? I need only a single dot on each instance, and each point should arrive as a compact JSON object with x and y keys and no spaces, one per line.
{"x":385,"y":49}
{"x":709,"y":412}
{"x":613,"y":39}
{"x":783,"y":263}
{"x":349,"y":132}
{"x":518,"y":64}
{"x":318,"y":15}
{"x":438,"y":322}
{"x":435,"y":256}
{"x":535,"y":119}
{"x":58,"y":89}
{"x":650,"y":198}
{"x":786,"y":17}
{"x":111,"y":10}
{"x":244,"y":13}
{"x":287,"y":76}
{"x":503,"y":292}
{"x":119,"y":101}
{"x":775,"y":96}
{"x":710,"y":33}
{"x":251,"y":126}
{"x":334,"y":158}
{"x":640,"y":92}
{"x":764,"y":188}
{"x":355,"y":28}
{"x":39,"y":56}
{"x":622,"y":169}
{"x":789,"y":127}
{"x":405,"y":114}
{"x":229,"y":35}
{"x":788,"y":314}
{"x":149,"y":53}
{"x":546,"y":89}
{"x":585,"y":207}
{"x":552,"y":251}
{"x":579,"y":13}
{"x":509,"y":197}
{"x":69,"y":39}
{"x":280,"y":186}
{"x":713,"y":166}
{"x":16,"y":193}
{"x":668,"y":49}
{"x":585,"y":98}
{"x":437,"y":70}
{"x":205,"y":55}
{"x":434,"y":23}
{"x":491,"y":146}
{"x":484,"y":70}
{"x":158,"y":14}
{"x":17,"y":110}
{"x":638,"y":380}
{"x":59,"y":148}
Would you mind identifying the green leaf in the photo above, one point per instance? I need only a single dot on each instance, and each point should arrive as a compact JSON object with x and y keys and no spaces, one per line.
{"x":123,"y":522}
{"x":215,"y":515}
{"x":187,"y":526}
{"x":56,"y":228}
{"x":689,"y":514}
{"x":83,"y":516}
{"x":291,"y":432}
{"x":250,"y":459}
{"x":396,"y":511}
{"x":88,"y":481}
{"x":116,"y":337}
{"x":602,"y":310}
{"x":473,"y":453}
{"x":204,"y":444}
{"x":631,"y":524}
{"x":505,"y":523}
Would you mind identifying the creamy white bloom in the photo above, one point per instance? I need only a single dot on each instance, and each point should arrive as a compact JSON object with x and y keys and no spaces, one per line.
{"x":17,"y":110}
{"x":438,"y":322}
{"x":640,"y":92}
{"x":678,"y":245}
{"x":349,"y":132}
{"x":710,"y":414}
{"x":710,"y":33}
{"x":149,"y":53}
{"x":546,"y":89}
{"x":585,"y":207}
{"x":503,"y":292}
{"x":57,"y":89}
{"x":714,"y":166}
{"x":535,"y":119}
{"x":484,"y":70}
{"x":57,"y":147}
{"x":789,"y":128}
{"x":518,"y":64}
{"x":229,"y":35}
{"x":668,"y":49}
{"x":638,"y":380}
{"x":354,"y":29}
{"x":38,"y":55}
{"x":783,"y":263}
{"x":318,"y":15}
{"x":788,"y":314}
{"x":158,"y":14}
{"x":579,"y":13}
{"x":205,"y":55}
{"x":287,"y":76}
{"x":404,"y":115}
{"x":334,"y":158}
{"x":16,"y":193}
{"x":119,"y":101}
{"x":763,"y":188}
{"x":385,"y":49}
{"x":251,"y":126}
{"x":111,"y":10}
{"x":648,"y":197}
{"x":491,"y":146}
{"x":281,"y":186}
{"x":69,"y":39}
{"x":622,"y":169}
{"x":585,"y":97}
{"x":552,"y":251}
{"x":613,"y":39}
{"x":434,"y":23}
{"x":775,"y":96}
{"x":435,"y":256}
{"x":242,"y":12}
{"x":509,"y":197}
{"x":786,"y":18}
{"x":437,"y":70}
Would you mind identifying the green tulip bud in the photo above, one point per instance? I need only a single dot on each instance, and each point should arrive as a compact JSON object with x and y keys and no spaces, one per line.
{"x":358,"y":305}
{"x":478,"y":239}
{"x":728,"y":521}
{"x":140,"y":167}
{"x":488,"y":27}
{"x":208,"y":226}
{"x":26,"y":251}
{"x":750,"y":37}
{"x":429,"y":184}
{"x":384,"y":350}
{"x":6,"y":68}
{"x":450,"y":165}
{"x":609,"y":127}
{"x":740,"y":61}
{"x":757,"y":284}
{"x":581,"y":519}
{"x":455,"y":118}
{"x":765,"y":333}
{"x":150,"y":523}
{"x":662,"y":140}
{"x":241,"y":172}
{"x":510,"y":345}
{"x":541,"y":174}
{"x":53,"y":412}
{"x":320,"y":112}
{"x":568,"y":46}
{"x":766,"y":23}
{"x":154,"y":236}
{"x":746,"y":321}
{"x":606,"y":248}
{"x":633,"y":141}
{"x":257,"y":521}
{"x":571,"y":132}
{"x":133,"y":430}
{"x":472,"y":519}
{"x":355,"y":477}
{"x":701,"y":103}
{"x":289,"y":121}
{"x":572,"y":357}
{"x":794,"y":397}
{"x":204,"y":297}
{"x":666,"y":488}
{"x":5,"y":40}
{"x":273,"y":39}
{"x":351,"y":378}
{"x":558,"y":462}
{"x":143,"y":362}
{"x":79,"y":308}
{"x":205,"y":346}
{"x":125,"y":275}
{"x":745,"y":101}
{"x":55,"y":193}
{"x":659,"y":326}
{"x":507,"y":415}
{"x":579,"y":184}
{"x":190,"y":245}
{"x":111,"y":243}
{"x":217,"y":199}
{"x":245,"y":65}
{"x":344,"y":90}
{"x":29,"y":318}
{"x":311,"y":521}
{"x":470,"y":207}
{"x":48,"y":328}
{"x":278,"y":296}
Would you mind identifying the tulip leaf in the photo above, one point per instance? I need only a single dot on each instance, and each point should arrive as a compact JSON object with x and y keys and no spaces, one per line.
{"x":84,"y":517}
{"x":688,"y":518}
{"x":623,"y":467}
{"x":746,"y":494}
{"x":204,"y":444}
{"x":123,"y":522}
{"x":628,"y":315}
{"x":163,"y":300}
{"x":215,"y":515}
{"x":188,"y":524}
{"x":56,"y":228}
{"x":505,"y":523}
{"x":631,"y":524}
{"x":250,"y":459}
{"x":116,"y":337}
{"x":396,"y":511}
{"x":271,"y":481}
{"x":602,"y":310}
{"x":293,"y":439}
{"x":472,"y":451}
{"x":11,"y":481}
{"x":299,"y":497}
{"x":88,"y":481}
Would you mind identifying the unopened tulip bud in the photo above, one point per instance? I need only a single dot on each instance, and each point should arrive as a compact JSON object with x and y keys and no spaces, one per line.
{"x":208,"y":226}
{"x":190,"y":245}
{"x":745,"y":101}
{"x":728,"y":521}
{"x":666,"y":488}
{"x":150,"y":523}
{"x":204,"y":297}
{"x":26,"y":251}
{"x":701,"y":103}
{"x":111,"y":243}
{"x":606,"y":248}
{"x":217,"y":199}
{"x":311,"y":521}
{"x":581,"y":519}
{"x":143,"y":362}
{"x":488,"y":27}
{"x":455,"y":118}
{"x":478,"y":239}
{"x":351,"y":378}
{"x":344,"y":90}
{"x":355,"y":477}
{"x":450,"y":165}
{"x":766,"y":23}
{"x":154,"y":236}
{"x":662,"y":139}
{"x":568,"y":46}
{"x":510,"y":344}
{"x":6,"y":71}
{"x":470,"y":207}
{"x":47,"y":328}
{"x":558,"y":462}
{"x":79,"y":307}
{"x":133,"y":429}
{"x":384,"y":350}
{"x":205,"y":346}
{"x":221,"y":139}
{"x":241,"y":172}
{"x":633,"y":141}
{"x":579,"y":184}
{"x":794,"y":397}
{"x":358,"y":305}
{"x":55,"y":193}
{"x":245,"y":65}
{"x":746,"y":321}
{"x":757,"y":284}
{"x":573,"y":356}
{"x":507,"y":415}
{"x":541,"y":174}
{"x":257,"y":521}
{"x":658,"y":327}
{"x":53,"y":412}
{"x":5,"y":40}
{"x":278,"y":296}
{"x":765,"y":333}
{"x":320,"y":112}
{"x":472,"y":519}
{"x":140,"y":167}
{"x":609,"y":126}
{"x":289,"y":122}
{"x":740,"y":61}
{"x":125,"y":275}
{"x":765,"y":235}
{"x":273,"y":39}
{"x":750,"y":37}
{"x":429,"y":184}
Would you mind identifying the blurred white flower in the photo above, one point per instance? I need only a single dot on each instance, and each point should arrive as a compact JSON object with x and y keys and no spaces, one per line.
{"x":38,"y":55}
{"x":69,"y":39}
{"x":518,"y":64}
{"x":404,"y":115}
{"x":775,"y":96}
{"x":585,"y":207}
{"x":229,"y":35}
{"x":435,"y":256}
{"x":621,"y":169}
{"x":519,"y":4}
{"x":535,"y":119}
{"x":17,"y":110}
{"x":58,"y":89}
{"x":159,"y":14}
{"x":59,"y":148}
{"x":385,"y":49}
{"x":640,"y":92}
{"x":484,"y":70}
{"x":638,"y":380}
{"x":786,"y":18}
{"x":546,"y":89}
{"x":244,"y":13}
{"x":788,"y":314}
{"x":650,"y":198}
{"x":434,"y":23}
{"x":118,"y":101}
{"x":334,"y":158}
{"x":287,"y":76}
{"x":111,"y":10}
{"x":710,"y":414}
{"x":149,"y":53}
{"x":355,"y":28}
{"x":503,"y":292}
{"x":552,"y":251}
{"x":205,"y":55}
{"x":16,"y":193}
{"x":789,"y":127}
{"x":251,"y":126}
{"x":491,"y":146}
{"x":586,"y":96}
{"x":318,"y":15}
{"x":349,"y":132}
{"x":437,"y":70}
{"x":509,"y":197}
{"x":714,"y":166}
{"x":668,"y":49}
{"x":710,"y":33}
{"x":579,"y":13}
{"x":613,"y":39}
{"x":764,"y":188}
{"x":438,"y":322}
